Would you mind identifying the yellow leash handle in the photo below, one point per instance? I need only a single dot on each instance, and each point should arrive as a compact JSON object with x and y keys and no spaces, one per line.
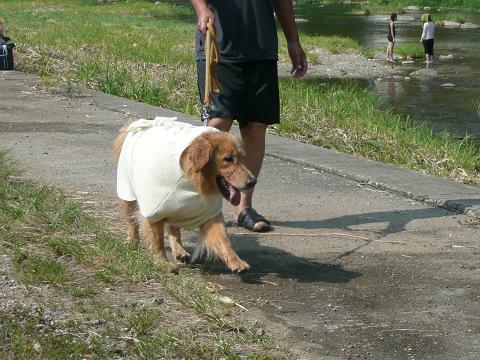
{"x":212,"y":57}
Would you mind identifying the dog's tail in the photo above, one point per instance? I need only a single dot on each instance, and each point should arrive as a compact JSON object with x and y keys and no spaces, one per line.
{"x":118,"y":143}
{"x":202,"y":250}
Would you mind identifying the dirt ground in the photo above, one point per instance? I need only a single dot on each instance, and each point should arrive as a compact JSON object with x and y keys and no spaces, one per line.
{"x":350,"y":272}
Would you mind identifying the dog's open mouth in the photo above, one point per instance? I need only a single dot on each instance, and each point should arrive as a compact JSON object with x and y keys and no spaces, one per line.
{"x":229,"y":192}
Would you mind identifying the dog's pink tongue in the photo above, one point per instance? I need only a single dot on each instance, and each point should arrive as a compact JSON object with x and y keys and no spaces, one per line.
{"x":234,"y":195}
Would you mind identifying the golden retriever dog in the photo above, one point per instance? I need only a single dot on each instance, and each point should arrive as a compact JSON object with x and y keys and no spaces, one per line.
{"x":211,"y":164}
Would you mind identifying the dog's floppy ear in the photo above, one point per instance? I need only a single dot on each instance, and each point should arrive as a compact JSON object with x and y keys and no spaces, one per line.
{"x":197,"y":155}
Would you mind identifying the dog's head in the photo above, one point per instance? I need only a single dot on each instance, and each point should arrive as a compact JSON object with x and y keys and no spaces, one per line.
{"x":214,"y":162}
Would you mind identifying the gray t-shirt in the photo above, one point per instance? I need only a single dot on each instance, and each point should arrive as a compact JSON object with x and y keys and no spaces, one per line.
{"x":246,"y":31}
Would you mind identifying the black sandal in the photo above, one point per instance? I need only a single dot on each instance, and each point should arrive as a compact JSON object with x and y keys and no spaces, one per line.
{"x":248,"y":218}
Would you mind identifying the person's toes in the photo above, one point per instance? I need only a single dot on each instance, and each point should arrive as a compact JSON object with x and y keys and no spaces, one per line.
{"x":261,"y":225}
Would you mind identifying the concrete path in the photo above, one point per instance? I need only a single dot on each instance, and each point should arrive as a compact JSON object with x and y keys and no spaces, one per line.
{"x":366,"y":260}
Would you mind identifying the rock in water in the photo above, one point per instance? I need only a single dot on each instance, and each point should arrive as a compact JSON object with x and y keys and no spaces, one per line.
{"x":424,"y":73}
{"x":446,"y":57}
{"x":469,"y":26}
{"x":411,"y":9}
{"x":449,"y":23}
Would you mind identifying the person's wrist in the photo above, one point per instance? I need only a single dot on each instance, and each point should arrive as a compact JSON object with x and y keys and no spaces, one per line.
{"x":203,"y":12}
{"x":293,"y":41}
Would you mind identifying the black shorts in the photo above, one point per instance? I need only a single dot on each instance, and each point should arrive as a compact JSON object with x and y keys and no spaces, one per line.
{"x":428,"y":46}
{"x":249,"y":91}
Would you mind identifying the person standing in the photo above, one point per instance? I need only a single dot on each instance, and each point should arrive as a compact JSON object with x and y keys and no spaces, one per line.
{"x":427,"y":38}
{"x":247,"y":71}
{"x":392,"y":33}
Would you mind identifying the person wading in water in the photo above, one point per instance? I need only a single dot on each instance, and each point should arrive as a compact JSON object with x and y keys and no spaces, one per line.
{"x":392,"y":35}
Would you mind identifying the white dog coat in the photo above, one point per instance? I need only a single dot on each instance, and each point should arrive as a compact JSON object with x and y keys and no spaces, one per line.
{"x":149,"y":171}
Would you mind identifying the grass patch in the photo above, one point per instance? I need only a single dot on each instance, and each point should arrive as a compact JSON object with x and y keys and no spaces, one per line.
{"x":334,"y":44}
{"x":410,"y":51}
{"x":67,"y":247}
{"x":37,"y":269}
{"x":21,"y":339}
{"x":83,"y":291}
{"x":476,"y":105}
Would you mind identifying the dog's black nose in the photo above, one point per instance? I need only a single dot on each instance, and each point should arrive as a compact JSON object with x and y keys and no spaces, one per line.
{"x":251,"y":181}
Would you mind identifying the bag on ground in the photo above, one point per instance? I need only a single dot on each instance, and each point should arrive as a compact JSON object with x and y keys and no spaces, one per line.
{"x":6,"y":49}
{"x":6,"y":56}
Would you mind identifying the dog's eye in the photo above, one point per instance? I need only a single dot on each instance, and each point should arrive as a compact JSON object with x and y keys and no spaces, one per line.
{"x":229,"y":159}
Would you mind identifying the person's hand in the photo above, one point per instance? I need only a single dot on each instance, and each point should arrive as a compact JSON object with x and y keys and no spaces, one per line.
{"x":205,"y":16}
{"x":299,"y":60}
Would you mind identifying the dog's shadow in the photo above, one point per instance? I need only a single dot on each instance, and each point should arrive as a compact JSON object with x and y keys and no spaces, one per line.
{"x":266,"y":260}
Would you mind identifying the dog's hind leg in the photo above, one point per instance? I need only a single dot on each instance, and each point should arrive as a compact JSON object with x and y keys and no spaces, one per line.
{"x":130,"y":209}
{"x":215,"y":237}
{"x":178,"y":251}
{"x":154,"y":238}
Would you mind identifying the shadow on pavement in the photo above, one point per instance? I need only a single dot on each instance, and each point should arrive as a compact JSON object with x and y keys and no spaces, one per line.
{"x":396,"y":220}
{"x":266,"y":260}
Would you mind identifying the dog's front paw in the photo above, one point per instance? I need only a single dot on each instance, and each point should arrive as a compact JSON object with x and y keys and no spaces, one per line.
{"x":238,"y":265}
{"x":181,"y":255}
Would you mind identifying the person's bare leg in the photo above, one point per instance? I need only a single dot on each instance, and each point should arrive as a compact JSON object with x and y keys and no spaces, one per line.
{"x":253,"y":136}
{"x":390,"y":51}
{"x":221,"y":123}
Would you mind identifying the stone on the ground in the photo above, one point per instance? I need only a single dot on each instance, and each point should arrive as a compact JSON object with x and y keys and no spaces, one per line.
{"x":405,"y":62}
{"x":449,"y":23}
{"x":446,"y":57}
{"x":469,"y":26}
{"x":424,"y":73}
{"x":410,"y":9}
{"x":299,"y":20}
{"x":448,"y":85}
{"x":427,"y":8}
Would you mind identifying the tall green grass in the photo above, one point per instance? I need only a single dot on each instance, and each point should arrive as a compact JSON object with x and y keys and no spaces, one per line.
{"x":409,"y":50}
{"x":347,"y":118}
{"x":476,"y":105}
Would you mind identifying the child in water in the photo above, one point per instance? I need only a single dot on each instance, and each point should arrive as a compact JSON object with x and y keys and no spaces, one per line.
{"x":392,"y":34}
{"x":427,"y":37}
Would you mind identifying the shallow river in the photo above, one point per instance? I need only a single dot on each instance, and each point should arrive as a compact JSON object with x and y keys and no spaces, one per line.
{"x":454,"y":109}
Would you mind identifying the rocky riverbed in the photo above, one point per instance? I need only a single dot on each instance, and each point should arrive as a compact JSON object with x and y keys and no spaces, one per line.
{"x":352,"y":65}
